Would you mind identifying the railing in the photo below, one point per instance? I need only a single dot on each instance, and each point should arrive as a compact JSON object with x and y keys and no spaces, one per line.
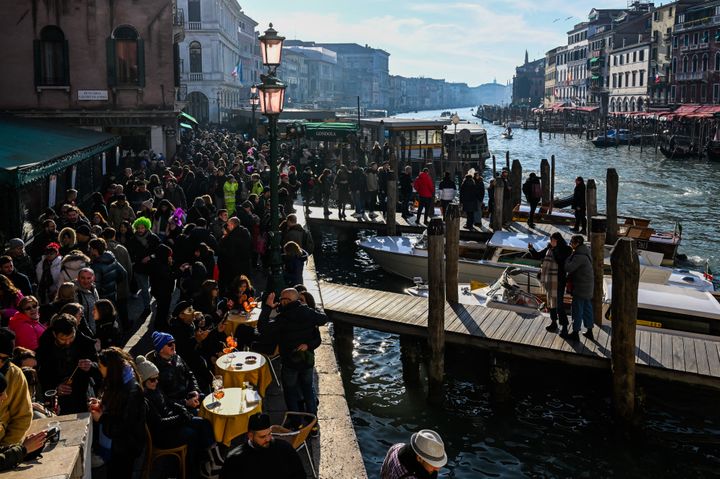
{"x":178,"y":17}
{"x":690,"y":76}
{"x":194,"y":25}
{"x":195,"y":76}
{"x":697,"y":23}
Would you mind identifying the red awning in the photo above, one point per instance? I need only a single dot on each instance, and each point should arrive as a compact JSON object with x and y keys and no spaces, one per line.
{"x":587,"y":108}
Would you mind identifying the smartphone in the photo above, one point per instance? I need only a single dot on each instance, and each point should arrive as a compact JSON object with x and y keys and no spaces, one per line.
{"x":53,"y":435}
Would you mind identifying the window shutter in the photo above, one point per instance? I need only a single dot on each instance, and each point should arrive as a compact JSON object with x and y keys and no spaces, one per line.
{"x":141,"y":62}
{"x":66,"y":63}
{"x":37,"y":58}
{"x":110,"y":53}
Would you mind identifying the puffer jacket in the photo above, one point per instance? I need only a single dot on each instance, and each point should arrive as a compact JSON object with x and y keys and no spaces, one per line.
{"x":176,"y":378}
{"x":27,"y":330}
{"x":16,"y":410}
{"x":119,"y":213}
{"x":70,"y":266}
{"x":424,"y":185}
{"x":580,"y":272}
{"x":108,"y":274}
{"x":165,"y":418}
{"x":295,"y":324}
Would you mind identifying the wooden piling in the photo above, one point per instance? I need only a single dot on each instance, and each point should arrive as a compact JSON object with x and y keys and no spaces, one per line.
{"x":343,"y":337}
{"x":494,"y":170}
{"x":517,"y":180}
{"x":507,"y":160}
{"x":497,"y":213}
{"x":436,"y":310}
{"x":552,"y":184}
{"x":545,"y":181}
{"x":597,"y":247}
{"x":452,"y":251}
{"x":626,"y":277}
{"x":391,"y":201}
{"x":590,"y":200}
{"x":611,"y":182}
{"x":410,"y":359}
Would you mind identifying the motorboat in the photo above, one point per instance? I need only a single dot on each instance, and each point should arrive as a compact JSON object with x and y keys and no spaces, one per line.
{"x":406,"y":256}
{"x":507,"y":134}
{"x":672,"y":307}
{"x":445,"y":114}
{"x":612,"y":138}
{"x":513,"y":291}
{"x":678,"y":147}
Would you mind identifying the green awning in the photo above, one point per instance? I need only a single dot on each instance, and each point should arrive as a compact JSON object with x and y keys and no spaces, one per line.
{"x":30,"y":150}
{"x":594,"y":60}
{"x":185,"y":125}
{"x":188,"y":117}
{"x":330,"y":131}
{"x":595,"y":77}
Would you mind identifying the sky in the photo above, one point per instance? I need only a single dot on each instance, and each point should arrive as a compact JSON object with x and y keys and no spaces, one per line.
{"x":460,"y":41}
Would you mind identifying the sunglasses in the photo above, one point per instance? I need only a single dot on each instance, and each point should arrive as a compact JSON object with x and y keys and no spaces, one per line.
{"x":153,"y":380}
{"x":30,"y":308}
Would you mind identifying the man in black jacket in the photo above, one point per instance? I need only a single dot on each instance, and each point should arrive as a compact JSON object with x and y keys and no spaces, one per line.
{"x":141,"y":246}
{"x":578,"y":205}
{"x":406,"y":190}
{"x":262,"y":456}
{"x":177,"y":381}
{"x":295,"y":330}
{"x":21,"y":282}
{"x":233,"y":253}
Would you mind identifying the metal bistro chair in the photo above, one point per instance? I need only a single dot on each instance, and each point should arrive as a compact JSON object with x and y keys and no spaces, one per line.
{"x":270,"y":358}
{"x":154,"y":454}
{"x":297,"y":439}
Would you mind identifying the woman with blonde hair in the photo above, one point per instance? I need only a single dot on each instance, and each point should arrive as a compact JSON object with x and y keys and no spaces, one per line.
{"x":294,"y":258}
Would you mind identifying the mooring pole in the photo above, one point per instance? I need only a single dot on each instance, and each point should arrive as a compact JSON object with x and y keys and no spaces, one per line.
{"x":597,"y":248}
{"x":612,"y":182}
{"x":516,"y":179}
{"x":494,"y":167}
{"x":626,"y":276}
{"x":436,"y":310}
{"x":545,"y":181}
{"x":590,"y":200}
{"x":552,"y":184}
{"x":497,"y":213}
{"x":391,"y":199}
{"x":507,"y":161}
{"x":452,"y":251}
{"x":410,"y":359}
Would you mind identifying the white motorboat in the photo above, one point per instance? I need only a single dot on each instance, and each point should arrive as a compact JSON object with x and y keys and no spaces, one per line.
{"x":672,"y":307}
{"x":406,"y":256}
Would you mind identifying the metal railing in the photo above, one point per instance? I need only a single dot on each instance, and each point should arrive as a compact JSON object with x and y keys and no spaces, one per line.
{"x":178,"y":17}
{"x":195,"y":76}
{"x":194,"y":25}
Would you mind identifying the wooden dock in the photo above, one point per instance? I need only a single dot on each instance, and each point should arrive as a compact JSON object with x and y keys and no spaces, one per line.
{"x":481,"y":232}
{"x":659,"y":353}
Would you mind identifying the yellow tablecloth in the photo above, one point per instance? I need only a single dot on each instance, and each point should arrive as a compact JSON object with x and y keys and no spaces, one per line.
{"x":234,"y":320}
{"x":257,"y":374}
{"x":229,"y":420}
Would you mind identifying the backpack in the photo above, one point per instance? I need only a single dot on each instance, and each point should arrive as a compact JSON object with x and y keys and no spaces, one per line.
{"x":536,"y":190}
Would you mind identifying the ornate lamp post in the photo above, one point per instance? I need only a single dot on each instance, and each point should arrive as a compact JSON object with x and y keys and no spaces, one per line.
{"x":254,"y":102}
{"x":271,"y":99}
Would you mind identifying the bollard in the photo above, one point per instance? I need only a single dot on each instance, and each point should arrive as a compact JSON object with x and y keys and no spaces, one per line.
{"x":497,"y":213}
{"x":597,"y":249}
{"x":545,"y":181}
{"x":625,"y":280}
{"x":611,"y":206}
{"x":590,"y":200}
{"x":452,"y":251}
{"x":436,"y":311}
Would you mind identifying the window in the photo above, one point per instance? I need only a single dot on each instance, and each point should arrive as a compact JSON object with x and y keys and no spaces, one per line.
{"x":634,"y":56}
{"x":125,"y":58}
{"x":716,"y":93}
{"x":614,"y":80}
{"x":627,"y":79}
{"x":705,"y":37}
{"x":642,"y":77}
{"x":672,"y":92}
{"x":195,"y":57}
{"x":704,"y":63}
{"x":642,"y":55}
{"x":673,"y":67}
{"x":685,"y":64}
{"x":695,"y":38}
{"x":194,"y":11}
{"x":51,"y":58}
{"x":686,"y":40}
{"x":717,"y":61}
{"x":615,"y":60}
{"x":634,"y":76}
{"x":619,"y":84}
{"x":694,"y":63}
{"x":703,"y":93}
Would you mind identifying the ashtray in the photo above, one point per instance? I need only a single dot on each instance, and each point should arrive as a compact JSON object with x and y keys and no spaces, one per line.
{"x":250,"y":361}
{"x":238,"y":365}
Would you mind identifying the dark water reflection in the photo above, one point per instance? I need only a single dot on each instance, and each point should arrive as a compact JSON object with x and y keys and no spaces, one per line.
{"x":557,"y":423}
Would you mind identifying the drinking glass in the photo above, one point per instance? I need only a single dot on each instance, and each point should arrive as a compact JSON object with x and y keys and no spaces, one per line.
{"x":51,"y":425}
{"x":51,"y":400}
{"x":217,"y":385}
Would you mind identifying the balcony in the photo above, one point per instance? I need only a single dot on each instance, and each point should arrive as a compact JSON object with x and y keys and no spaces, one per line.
{"x":691,"y":76}
{"x":195,"y":76}
{"x":178,"y":24}
{"x":701,"y":22}
{"x":194,"y":25}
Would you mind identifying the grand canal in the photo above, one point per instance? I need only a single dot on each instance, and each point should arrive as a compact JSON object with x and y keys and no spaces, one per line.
{"x":556,"y":422}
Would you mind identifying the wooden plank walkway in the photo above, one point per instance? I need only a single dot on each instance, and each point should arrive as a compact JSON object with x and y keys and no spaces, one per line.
{"x":660,"y":354}
{"x":480,"y":233}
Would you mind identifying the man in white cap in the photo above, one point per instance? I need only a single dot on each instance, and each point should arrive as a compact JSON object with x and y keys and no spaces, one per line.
{"x":420,"y":459}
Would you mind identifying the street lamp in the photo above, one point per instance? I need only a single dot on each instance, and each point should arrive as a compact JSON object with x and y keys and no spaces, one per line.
{"x":271,"y":100}
{"x":455,"y":119}
{"x":254,"y":102}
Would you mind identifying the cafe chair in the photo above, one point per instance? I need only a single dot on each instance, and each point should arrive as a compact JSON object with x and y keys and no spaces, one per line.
{"x":297,"y":439}
{"x":270,"y":358}
{"x":153,"y":454}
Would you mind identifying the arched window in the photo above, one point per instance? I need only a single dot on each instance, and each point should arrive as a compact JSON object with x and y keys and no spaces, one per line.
{"x":717,"y":61}
{"x":195,"y":57}
{"x":694,"y":63}
{"x":126,"y":58}
{"x":612,"y":105}
{"x":674,"y":65}
{"x":632,"y":104}
{"x":685,"y":64}
{"x":704,"y":63}
{"x":51,"y":58}
{"x":640,"y":104}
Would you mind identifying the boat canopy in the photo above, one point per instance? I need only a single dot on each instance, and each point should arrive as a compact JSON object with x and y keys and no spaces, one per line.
{"x":517,"y":241}
{"x":672,"y":299}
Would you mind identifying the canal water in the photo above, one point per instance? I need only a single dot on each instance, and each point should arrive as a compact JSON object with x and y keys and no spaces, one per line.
{"x":556,"y":422}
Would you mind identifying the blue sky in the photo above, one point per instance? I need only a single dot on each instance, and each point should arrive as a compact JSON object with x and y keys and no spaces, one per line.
{"x":466,"y":41}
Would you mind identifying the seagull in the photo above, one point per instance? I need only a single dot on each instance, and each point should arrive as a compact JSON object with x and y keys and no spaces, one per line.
{"x":558,"y":18}
{"x":568,"y":18}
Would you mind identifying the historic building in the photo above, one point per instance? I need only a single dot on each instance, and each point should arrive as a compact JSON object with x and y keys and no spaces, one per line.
{"x":311,"y":75}
{"x":630,"y":64}
{"x":106,"y":66}
{"x":529,"y":83}
{"x":551,"y":75}
{"x":219,"y":59}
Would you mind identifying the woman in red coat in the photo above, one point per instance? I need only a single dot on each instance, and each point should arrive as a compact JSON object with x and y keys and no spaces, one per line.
{"x":26,"y":323}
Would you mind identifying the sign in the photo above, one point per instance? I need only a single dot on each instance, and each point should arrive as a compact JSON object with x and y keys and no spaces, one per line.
{"x":92,"y":95}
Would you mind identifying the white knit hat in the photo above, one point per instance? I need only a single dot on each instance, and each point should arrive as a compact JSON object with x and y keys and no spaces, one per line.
{"x":146,"y":369}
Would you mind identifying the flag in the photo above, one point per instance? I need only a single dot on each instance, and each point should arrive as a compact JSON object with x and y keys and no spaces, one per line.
{"x":657,"y":78}
{"x":234,"y":72}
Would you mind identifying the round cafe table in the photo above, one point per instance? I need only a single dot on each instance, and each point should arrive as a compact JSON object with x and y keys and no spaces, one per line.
{"x":238,"y":369}
{"x":235,"y":319}
{"x":229,"y":419}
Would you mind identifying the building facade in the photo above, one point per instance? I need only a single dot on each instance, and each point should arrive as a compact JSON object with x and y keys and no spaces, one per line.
{"x":629,"y":69}
{"x":529,"y":83}
{"x":219,"y":58}
{"x":106,"y":66}
{"x":551,"y":76}
{"x":311,"y":75}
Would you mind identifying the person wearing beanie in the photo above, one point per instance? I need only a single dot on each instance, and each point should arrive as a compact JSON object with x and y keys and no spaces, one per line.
{"x":141,"y":247}
{"x":263,"y":456}
{"x":16,"y":409}
{"x":190,"y":339}
{"x":12,"y":454}
{"x":172,"y":425}
{"x":177,"y":380}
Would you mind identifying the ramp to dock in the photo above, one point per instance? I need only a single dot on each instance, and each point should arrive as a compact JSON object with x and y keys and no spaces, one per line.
{"x":663,"y":354}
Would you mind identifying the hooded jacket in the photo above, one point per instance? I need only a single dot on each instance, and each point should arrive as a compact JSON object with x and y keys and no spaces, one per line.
{"x":108,"y":274}
{"x":424,"y":185}
{"x":70,"y":266}
{"x":27,"y":330}
{"x":580,"y":271}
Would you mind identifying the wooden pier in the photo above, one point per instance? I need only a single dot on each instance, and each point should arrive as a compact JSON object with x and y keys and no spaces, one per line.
{"x":661,"y":354}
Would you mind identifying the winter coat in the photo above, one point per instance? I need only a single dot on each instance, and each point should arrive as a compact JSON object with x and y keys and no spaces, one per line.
{"x":123,"y":257}
{"x":358,"y":182}
{"x":579,"y":271}
{"x":372,"y":179}
{"x":54,"y":274}
{"x":234,"y":253}
{"x":176,"y":378}
{"x":87,"y":298}
{"x":139,"y":250}
{"x":229,"y":190}
{"x":119,"y":213}
{"x":126,"y":428}
{"x":578,"y":199}
{"x":468,"y":196}
{"x":406,"y":185}
{"x":293,"y":268}
{"x":299,"y":235}
{"x":70,"y":267}
{"x":109,"y":273}
{"x":21,"y":282}
{"x":165,"y":418}
{"x":27,"y":330}
{"x":11,"y":456}
{"x":424,"y":185}
{"x":401,"y":463}
{"x":16,"y":410}
{"x":532,"y":189}
{"x":447,"y":190}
